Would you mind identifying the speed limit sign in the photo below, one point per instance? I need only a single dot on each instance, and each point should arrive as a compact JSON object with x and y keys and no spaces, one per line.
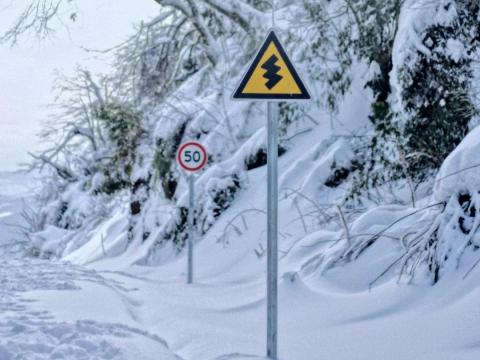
{"x":192,"y":156}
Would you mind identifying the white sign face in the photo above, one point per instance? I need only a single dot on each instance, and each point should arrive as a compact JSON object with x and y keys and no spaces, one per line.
{"x":192,"y":156}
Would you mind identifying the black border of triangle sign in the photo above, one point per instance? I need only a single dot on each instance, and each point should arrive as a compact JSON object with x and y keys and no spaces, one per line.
{"x":304,"y":95}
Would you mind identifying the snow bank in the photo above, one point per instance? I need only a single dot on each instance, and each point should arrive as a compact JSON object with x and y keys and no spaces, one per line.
{"x":460,"y":171}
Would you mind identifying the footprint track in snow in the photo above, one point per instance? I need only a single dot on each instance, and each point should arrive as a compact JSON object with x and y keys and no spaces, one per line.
{"x":26,"y":334}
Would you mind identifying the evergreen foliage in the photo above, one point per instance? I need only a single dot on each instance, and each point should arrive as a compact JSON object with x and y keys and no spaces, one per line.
{"x":436,"y":90}
{"x":124,"y":130}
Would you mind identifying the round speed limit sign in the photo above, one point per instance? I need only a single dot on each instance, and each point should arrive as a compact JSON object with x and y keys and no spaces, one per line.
{"x":192,"y":156}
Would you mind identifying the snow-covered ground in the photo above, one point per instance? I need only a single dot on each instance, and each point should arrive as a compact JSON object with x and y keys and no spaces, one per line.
{"x":111,"y":309}
{"x":28,"y":330}
{"x":114,"y":284}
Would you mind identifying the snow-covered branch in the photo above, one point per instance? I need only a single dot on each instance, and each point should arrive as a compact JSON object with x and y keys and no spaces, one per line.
{"x":62,"y":171}
{"x":35,"y":18}
{"x":190,"y":9}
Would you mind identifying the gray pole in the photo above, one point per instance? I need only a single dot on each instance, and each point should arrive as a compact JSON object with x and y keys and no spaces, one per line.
{"x":272,"y":230}
{"x":191,"y":228}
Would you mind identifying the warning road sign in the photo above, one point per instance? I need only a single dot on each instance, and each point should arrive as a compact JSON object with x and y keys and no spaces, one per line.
{"x":271,"y":75}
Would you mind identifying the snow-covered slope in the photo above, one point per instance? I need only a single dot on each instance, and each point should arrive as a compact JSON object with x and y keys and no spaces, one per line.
{"x":111,"y":309}
{"x":355,"y":277}
{"x":358,"y":310}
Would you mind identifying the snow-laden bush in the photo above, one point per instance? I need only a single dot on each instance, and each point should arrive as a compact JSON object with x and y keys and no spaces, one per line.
{"x":435,"y":80}
{"x":424,"y":98}
{"x":454,"y":230}
{"x":123,"y":129}
{"x":435,"y":236}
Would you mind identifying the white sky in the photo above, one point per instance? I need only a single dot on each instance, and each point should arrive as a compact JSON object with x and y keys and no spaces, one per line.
{"x":26,"y":71}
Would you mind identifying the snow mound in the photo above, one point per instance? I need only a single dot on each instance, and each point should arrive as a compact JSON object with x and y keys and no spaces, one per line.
{"x":460,"y":172}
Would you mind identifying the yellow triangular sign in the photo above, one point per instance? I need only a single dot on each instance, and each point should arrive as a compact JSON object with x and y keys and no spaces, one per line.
{"x":271,"y":75}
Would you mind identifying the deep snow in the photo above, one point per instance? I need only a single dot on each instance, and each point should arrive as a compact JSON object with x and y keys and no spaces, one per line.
{"x":96,"y":298}
{"x":109,"y":308}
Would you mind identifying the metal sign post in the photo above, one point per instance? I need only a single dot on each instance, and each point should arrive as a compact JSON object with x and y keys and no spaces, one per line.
{"x":192,"y":157}
{"x":271,"y":77}
{"x":272,"y":230}
{"x":191,"y":226}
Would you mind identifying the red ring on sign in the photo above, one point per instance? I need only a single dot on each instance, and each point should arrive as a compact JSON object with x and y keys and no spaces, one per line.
{"x":202,"y":149}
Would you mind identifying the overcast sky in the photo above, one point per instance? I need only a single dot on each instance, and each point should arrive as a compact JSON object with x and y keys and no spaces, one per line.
{"x":26,"y":70}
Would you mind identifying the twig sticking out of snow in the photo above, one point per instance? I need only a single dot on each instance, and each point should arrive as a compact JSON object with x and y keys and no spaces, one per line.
{"x":345,"y":225}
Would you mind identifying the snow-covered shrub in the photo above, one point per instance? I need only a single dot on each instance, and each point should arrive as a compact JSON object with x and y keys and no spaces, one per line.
{"x":329,"y":60}
{"x":435,"y":79}
{"x":123,"y":129}
{"x":259,"y":158}
{"x":218,"y":196}
{"x":454,"y":230}
{"x":434,"y":237}
{"x":172,"y":83}
{"x":364,"y":38}
{"x":421,"y":81}
{"x":340,"y":173}
{"x":164,"y":160}
{"x":214,"y":195}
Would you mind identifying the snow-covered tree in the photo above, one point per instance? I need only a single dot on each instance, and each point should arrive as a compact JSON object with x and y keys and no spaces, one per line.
{"x":436,"y":83}
{"x":114,"y":139}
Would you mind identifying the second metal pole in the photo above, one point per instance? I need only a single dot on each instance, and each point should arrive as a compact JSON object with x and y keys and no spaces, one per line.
{"x":272,"y":230}
{"x":191,"y":226}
